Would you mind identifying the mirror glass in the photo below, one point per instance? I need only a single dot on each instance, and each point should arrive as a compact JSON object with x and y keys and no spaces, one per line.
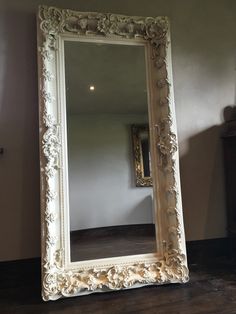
{"x":106,"y":93}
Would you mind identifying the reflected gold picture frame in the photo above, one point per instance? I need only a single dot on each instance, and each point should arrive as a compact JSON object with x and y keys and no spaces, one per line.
{"x":140,"y":179}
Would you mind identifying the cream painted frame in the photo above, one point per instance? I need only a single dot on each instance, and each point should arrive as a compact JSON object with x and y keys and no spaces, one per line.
{"x":60,"y":277}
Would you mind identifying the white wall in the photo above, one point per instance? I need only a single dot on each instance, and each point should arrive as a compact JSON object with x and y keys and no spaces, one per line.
{"x":101,"y":177}
{"x":203,"y":50}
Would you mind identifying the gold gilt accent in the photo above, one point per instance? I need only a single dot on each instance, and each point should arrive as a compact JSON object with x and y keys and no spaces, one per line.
{"x":140,"y":179}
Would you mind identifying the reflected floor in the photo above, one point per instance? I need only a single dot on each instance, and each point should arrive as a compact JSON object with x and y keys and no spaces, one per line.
{"x":112,"y":241}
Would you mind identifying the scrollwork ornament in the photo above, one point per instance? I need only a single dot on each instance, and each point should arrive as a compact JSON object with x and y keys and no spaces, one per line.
{"x":51,"y":240}
{"x":171,"y":269}
{"x":166,"y":143}
{"x":46,"y":54}
{"x":52,"y":19}
{"x":47,"y":75}
{"x":174,"y":266}
{"x":47,"y":96}
{"x":51,"y":146}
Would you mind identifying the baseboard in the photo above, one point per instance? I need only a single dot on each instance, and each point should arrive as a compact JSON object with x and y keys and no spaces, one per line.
{"x":27,"y":271}
{"x":204,"y":251}
{"x":20,"y":272}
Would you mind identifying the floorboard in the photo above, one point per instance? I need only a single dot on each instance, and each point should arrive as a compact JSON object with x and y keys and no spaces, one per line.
{"x":112,"y":241}
{"x":211,"y":289}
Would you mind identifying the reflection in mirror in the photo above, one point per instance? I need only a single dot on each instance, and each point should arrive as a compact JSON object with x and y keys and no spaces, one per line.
{"x":141,"y":153}
{"x":144,"y":139}
{"x":106,"y":93}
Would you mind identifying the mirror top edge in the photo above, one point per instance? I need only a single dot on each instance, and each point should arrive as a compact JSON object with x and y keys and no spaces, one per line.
{"x":103,"y":40}
{"x":126,"y":260}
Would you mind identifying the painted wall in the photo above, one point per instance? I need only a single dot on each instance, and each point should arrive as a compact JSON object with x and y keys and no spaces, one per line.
{"x":203,"y":50}
{"x":101,"y":177}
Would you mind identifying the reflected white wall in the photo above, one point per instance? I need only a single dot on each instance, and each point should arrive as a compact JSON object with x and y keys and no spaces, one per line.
{"x":101,"y":172}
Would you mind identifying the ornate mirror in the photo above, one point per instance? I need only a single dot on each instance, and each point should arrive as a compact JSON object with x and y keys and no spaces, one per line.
{"x":100,"y":76}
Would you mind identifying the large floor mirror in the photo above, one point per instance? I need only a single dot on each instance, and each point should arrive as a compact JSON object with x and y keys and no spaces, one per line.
{"x":110,"y":191}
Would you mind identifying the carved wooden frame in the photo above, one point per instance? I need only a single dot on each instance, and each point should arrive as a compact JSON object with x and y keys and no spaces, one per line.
{"x":140,"y":179}
{"x":60,"y":277}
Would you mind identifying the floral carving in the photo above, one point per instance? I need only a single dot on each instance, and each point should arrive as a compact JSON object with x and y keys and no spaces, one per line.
{"x":54,"y":21}
{"x":167,"y":144}
{"x":57,"y":280}
{"x":47,"y":75}
{"x":70,"y":283}
{"x":50,"y":145}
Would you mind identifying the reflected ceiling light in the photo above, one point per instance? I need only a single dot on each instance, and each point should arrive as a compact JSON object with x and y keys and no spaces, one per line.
{"x":91,"y":87}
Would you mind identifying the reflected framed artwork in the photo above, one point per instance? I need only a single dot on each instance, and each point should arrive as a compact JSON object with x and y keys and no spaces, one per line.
{"x":141,"y":155}
{"x":98,"y":74}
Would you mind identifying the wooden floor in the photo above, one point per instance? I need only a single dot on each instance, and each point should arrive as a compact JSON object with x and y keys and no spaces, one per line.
{"x":212,"y":289}
{"x":112,"y":241}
